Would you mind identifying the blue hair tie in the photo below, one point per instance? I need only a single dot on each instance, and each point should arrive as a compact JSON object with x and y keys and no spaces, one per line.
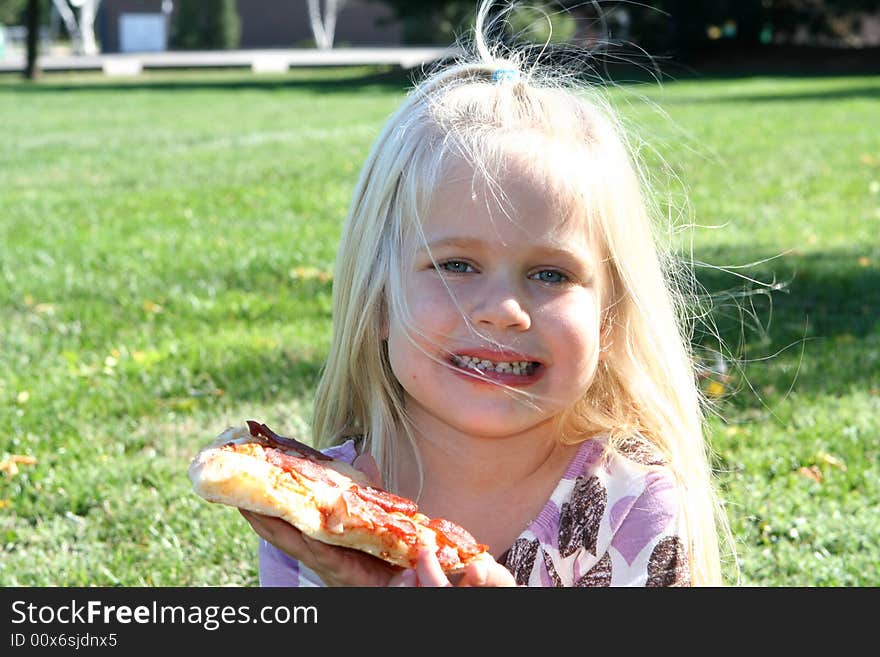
{"x":505,"y":75}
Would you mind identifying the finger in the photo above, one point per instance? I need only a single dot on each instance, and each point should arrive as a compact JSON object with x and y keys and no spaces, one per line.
{"x":429,"y":571}
{"x":406,"y":577}
{"x":253,"y":520}
{"x":367,"y":464}
{"x":320,"y":552}
{"x":323,"y":555}
{"x":278,"y":532}
{"x":487,"y":572}
{"x":475,"y":575}
{"x":254,"y":517}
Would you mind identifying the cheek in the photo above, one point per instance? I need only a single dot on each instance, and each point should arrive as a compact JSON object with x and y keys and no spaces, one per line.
{"x":400,"y":349}
{"x":432,"y":322}
{"x":432,"y":310}
{"x":574,"y":331}
{"x":581,"y":346}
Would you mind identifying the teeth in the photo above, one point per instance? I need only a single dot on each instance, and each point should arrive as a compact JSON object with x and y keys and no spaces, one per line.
{"x":521,"y":367}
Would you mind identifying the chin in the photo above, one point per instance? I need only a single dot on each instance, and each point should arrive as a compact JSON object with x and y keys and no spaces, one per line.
{"x":496,"y":425}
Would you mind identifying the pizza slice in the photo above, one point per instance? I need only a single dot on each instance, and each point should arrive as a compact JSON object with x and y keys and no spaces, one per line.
{"x":325,"y":498}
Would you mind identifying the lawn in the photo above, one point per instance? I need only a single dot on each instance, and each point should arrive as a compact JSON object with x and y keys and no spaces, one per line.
{"x":166,"y":248}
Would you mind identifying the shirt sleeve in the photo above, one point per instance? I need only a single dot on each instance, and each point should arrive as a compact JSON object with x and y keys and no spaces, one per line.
{"x":277,"y":568}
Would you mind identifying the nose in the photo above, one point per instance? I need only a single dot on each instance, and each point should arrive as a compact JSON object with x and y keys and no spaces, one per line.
{"x":501,"y":306}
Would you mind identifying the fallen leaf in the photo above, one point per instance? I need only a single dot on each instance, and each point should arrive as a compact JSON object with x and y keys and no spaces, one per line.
{"x":44,"y":309}
{"x":813,"y":472}
{"x":833,"y":461}
{"x":10,"y":466}
{"x":310,"y":273}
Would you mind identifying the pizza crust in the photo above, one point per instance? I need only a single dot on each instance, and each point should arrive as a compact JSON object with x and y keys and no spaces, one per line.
{"x":244,"y":481}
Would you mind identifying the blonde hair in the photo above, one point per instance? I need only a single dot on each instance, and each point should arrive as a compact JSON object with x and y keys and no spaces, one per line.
{"x":645,"y":386}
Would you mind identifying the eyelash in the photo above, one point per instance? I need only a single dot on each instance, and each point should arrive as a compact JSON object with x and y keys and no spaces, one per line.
{"x":443,"y":265}
{"x":565,"y":279}
{"x":447,"y":263}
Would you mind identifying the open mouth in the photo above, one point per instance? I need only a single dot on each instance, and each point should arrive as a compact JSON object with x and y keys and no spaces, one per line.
{"x":493,"y":368}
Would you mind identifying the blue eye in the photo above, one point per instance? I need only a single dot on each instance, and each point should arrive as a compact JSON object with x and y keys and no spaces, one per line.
{"x":455,"y":266}
{"x":550,"y":276}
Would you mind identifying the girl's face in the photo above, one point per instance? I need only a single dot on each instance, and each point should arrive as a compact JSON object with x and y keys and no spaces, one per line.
{"x":512,"y":301}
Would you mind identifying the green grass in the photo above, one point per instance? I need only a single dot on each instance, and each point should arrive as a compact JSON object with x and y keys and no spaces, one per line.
{"x":164,"y":245}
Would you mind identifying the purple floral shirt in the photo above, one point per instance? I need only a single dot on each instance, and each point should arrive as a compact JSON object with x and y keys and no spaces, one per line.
{"x":614,"y":519}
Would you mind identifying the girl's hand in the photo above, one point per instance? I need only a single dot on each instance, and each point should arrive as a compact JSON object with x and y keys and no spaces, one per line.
{"x":483,"y":572}
{"x":336,"y":566}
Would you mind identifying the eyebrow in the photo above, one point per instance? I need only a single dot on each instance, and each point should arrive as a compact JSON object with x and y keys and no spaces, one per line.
{"x":461,"y":242}
{"x":472,"y":243}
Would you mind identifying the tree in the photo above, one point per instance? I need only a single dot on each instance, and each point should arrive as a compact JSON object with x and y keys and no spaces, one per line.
{"x":685,"y":28}
{"x":541,"y":24}
{"x":32,"y":69}
{"x":12,"y":11}
{"x":324,"y":27}
{"x":205,"y":25}
{"x":81,"y":29}
{"x":442,"y":21}
{"x":660,"y":27}
{"x":431,"y":21}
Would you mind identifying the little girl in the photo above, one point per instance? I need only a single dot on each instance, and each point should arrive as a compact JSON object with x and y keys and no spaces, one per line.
{"x":508,"y":350}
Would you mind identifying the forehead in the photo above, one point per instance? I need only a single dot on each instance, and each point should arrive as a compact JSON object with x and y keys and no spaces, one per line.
{"x":518,"y":201}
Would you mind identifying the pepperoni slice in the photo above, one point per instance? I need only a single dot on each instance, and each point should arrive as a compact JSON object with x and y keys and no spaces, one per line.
{"x":388,"y":501}
{"x":302,"y":466}
{"x":448,"y":533}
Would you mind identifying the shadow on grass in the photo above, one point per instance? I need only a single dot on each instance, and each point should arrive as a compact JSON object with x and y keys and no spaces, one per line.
{"x":317,"y":80}
{"x":830,"y":95}
{"x":599,"y":68}
{"x":813,"y":325}
{"x":263,"y":376}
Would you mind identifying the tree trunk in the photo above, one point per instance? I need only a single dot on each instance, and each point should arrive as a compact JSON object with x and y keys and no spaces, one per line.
{"x":323,"y":28}
{"x":82,"y":29}
{"x":87,"y":14}
{"x":32,"y":69}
